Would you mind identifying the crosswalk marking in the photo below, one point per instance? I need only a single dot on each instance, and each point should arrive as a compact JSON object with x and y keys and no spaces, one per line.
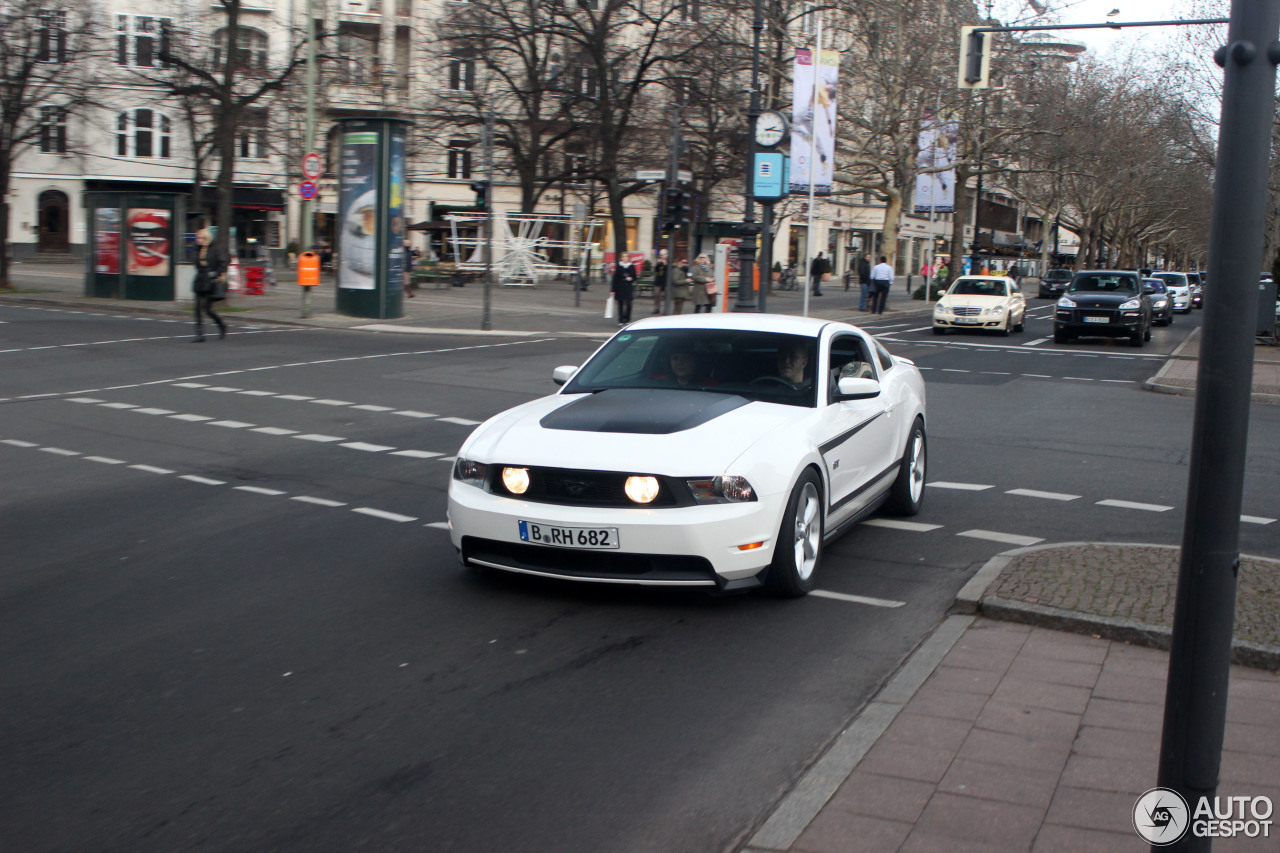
{"x":996,"y":536}
{"x":1135,"y":505}
{"x":1050,"y":496}
{"x":966,"y":487}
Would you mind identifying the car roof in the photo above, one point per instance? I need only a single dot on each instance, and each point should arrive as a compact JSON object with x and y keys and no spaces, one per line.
{"x":781,"y":323}
{"x":983,"y":277}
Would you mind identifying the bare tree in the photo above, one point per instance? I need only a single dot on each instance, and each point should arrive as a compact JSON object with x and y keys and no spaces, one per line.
{"x":44,"y":56}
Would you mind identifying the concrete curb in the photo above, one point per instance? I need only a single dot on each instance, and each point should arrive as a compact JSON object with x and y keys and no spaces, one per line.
{"x":798,"y":809}
{"x":972,"y":599}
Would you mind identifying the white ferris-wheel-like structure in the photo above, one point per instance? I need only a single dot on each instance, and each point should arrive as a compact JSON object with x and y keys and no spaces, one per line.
{"x":521,"y":249}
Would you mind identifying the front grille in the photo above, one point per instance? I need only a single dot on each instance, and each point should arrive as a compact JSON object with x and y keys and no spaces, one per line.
{"x":571,"y":487}
{"x":966,"y":311}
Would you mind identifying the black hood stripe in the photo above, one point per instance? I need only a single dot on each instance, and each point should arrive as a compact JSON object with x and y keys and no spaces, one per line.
{"x":643,"y":411}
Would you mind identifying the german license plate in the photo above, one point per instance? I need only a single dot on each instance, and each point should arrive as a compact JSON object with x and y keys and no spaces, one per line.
{"x":1097,"y":319}
{"x":967,"y":321}
{"x":569,"y":537}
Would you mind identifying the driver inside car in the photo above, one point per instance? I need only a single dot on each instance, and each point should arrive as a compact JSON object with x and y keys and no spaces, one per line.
{"x":793,"y":362}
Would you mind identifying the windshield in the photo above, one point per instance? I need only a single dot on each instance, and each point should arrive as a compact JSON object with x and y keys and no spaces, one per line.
{"x":979,"y":287}
{"x":1058,"y":275}
{"x":1104,"y":283}
{"x":765,"y":366}
{"x":1157,"y":286}
{"x":1173,"y":279}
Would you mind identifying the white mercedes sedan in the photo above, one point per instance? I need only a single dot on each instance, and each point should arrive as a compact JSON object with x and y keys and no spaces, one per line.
{"x":991,"y":302}
{"x":712,"y":450}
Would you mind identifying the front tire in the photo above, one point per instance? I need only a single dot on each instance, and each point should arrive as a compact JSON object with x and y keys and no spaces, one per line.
{"x":906,"y":496}
{"x":799,"y":549}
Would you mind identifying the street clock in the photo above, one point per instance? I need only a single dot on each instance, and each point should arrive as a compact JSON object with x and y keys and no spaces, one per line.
{"x":771,"y":128}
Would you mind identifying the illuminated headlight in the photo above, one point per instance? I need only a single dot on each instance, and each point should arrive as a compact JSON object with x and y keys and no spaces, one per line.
{"x":1066,"y":302}
{"x":1160,"y":303}
{"x":1131,"y":305}
{"x":516,"y":480}
{"x":642,"y":490}
{"x":466,"y":471}
{"x":994,"y":310}
{"x":719,"y":490}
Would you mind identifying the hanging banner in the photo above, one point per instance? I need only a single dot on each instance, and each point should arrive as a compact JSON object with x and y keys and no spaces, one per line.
{"x":938,"y":143}
{"x":813,"y":131}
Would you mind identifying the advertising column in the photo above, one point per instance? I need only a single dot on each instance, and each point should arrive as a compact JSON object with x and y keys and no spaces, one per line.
{"x":371,"y":224}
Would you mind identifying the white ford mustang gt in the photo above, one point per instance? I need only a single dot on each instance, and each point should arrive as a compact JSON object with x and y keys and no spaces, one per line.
{"x":719,"y":451}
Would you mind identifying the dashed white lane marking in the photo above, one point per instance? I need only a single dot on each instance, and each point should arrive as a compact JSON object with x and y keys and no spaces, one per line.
{"x":965,"y":487}
{"x":154,"y":411}
{"x":119,"y":406}
{"x":151,"y":469}
{"x":898,"y":524}
{"x":308,"y":499}
{"x":231,"y":424}
{"x":369,"y":448}
{"x":298,"y":398}
{"x":1135,"y":505}
{"x":381,"y":513}
{"x":1049,"y":496}
{"x":1256,"y":519}
{"x":59,"y":451}
{"x":458,"y":421}
{"x":1036,"y":342}
{"x":409,"y":413}
{"x":17,"y":442}
{"x":311,"y":436}
{"x":996,"y":536}
{"x":252,"y":393}
{"x":191,"y":418}
{"x":205,"y":481}
{"x":369,"y":407}
{"x":857,"y":599}
{"x":259,"y":490}
{"x":105,"y":460}
{"x":416,"y":454}
{"x":438,"y":525}
{"x":274,"y":431}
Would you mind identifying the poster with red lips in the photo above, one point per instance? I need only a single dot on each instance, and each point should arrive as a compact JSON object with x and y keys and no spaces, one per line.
{"x":150,"y":239}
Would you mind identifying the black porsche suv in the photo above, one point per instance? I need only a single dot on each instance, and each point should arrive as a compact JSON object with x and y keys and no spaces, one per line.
{"x":1103,"y":303}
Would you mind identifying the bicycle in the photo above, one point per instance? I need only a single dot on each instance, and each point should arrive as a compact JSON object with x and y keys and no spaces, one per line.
{"x":788,"y":279}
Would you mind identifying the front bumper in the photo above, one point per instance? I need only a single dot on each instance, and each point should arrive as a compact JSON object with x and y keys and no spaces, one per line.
{"x":1107,"y":322}
{"x":672,"y":546}
{"x":952,"y":320}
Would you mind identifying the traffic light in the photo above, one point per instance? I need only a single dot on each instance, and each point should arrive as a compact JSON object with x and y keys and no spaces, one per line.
{"x":975,"y":59}
{"x":676,"y":210}
{"x":481,"y":189}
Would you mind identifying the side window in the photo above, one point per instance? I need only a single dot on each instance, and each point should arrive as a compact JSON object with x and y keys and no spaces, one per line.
{"x":886,"y":360}
{"x":848,"y":357}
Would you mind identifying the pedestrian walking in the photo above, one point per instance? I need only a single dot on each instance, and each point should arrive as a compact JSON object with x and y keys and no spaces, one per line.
{"x":864,"y":280}
{"x":704,"y":285}
{"x":818,"y":268}
{"x":209,"y":284}
{"x":624,"y":280}
{"x":881,"y":281}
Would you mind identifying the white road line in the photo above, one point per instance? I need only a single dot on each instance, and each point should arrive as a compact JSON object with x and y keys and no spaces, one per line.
{"x":459,"y":421}
{"x":438,"y":525}
{"x":1078,"y":378}
{"x":416,"y":454}
{"x":1049,"y":496}
{"x":1134,"y":505}
{"x":908,"y":331}
{"x":190,"y":385}
{"x":995,"y":373}
{"x":1119,"y":381}
{"x":1256,"y":519}
{"x":223,"y":389}
{"x":311,"y":436}
{"x":369,"y":407}
{"x":17,"y":442}
{"x":105,"y":460}
{"x":296,"y":397}
{"x":152,"y":411}
{"x":58,"y":451}
{"x":151,"y":469}
{"x":370,"y":448}
{"x":274,"y":431}
{"x":995,"y":536}
{"x":204,"y":481}
{"x":1036,"y":376}
{"x":953,"y":370}
{"x":119,"y":406}
{"x":195,"y":419}
{"x":259,"y":490}
{"x":1036,"y":342}
{"x":856,"y":599}
{"x":897,"y":524}
{"x":332,"y":402}
{"x":230,"y":424}
{"x":379,"y":513}
{"x":412,"y":414}
{"x":964,"y":487}
{"x":84,"y":400}
{"x":307,"y":499}
{"x":252,"y":393}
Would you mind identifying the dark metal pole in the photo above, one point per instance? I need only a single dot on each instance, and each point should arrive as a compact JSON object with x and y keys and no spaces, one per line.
{"x":485,"y":322}
{"x":750,"y":231}
{"x":766,"y":254}
{"x":1200,"y":656}
{"x":672,"y":185}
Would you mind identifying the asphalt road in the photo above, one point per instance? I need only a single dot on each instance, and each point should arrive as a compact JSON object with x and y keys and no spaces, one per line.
{"x":230,"y":618}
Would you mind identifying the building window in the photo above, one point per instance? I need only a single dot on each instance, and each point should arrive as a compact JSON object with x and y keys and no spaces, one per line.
{"x":358,"y":53}
{"x":252,"y":134}
{"x":51,"y":38}
{"x":251,"y":50}
{"x":575,"y":164}
{"x":460,"y":158}
{"x":690,"y":10}
{"x":143,"y":133}
{"x":584,"y":80}
{"x":462,"y":74}
{"x":141,"y":40}
{"x":53,"y":130}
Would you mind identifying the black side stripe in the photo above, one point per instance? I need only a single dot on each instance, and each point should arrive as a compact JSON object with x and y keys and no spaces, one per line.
{"x":858,"y":491}
{"x":844,"y":436}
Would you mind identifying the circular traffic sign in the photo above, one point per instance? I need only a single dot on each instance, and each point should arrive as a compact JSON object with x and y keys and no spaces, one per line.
{"x":312,"y":166}
{"x":307,"y":189}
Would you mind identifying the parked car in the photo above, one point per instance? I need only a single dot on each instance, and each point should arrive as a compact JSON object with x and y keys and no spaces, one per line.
{"x":710,"y":450}
{"x":991,"y":302}
{"x":1161,"y":304}
{"x":1196,"y":281}
{"x":1179,"y":289}
{"x":1107,"y":303}
{"x":1053,"y":282}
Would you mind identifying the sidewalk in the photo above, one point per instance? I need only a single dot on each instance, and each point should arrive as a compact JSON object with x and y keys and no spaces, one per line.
{"x":1028,"y":721}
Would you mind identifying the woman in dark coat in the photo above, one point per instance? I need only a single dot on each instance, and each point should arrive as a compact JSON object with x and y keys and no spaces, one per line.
{"x":210,"y":284}
{"x":624,"y":279}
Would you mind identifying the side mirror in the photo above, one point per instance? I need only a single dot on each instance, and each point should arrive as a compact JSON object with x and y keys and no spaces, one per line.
{"x":857,"y":388}
{"x":563,"y":373}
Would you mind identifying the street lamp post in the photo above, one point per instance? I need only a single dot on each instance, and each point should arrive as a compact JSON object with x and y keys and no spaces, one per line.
{"x":750,"y":229}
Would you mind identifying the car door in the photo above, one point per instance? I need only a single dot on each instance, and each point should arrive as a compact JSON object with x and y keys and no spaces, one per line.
{"x":857,"y":446}
{"x":1017,"y":304}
